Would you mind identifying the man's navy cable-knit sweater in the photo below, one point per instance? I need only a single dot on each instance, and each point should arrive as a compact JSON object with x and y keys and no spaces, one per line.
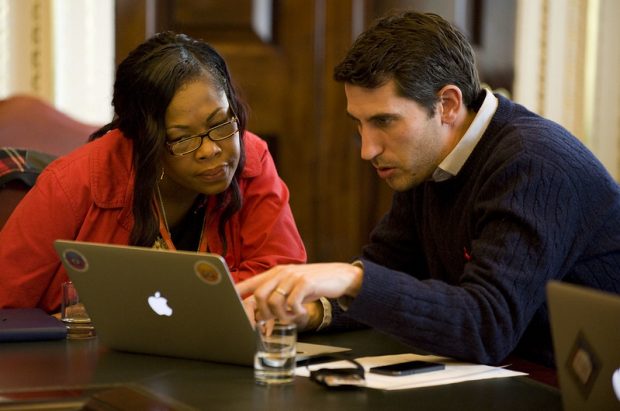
{"x":459,"y":267}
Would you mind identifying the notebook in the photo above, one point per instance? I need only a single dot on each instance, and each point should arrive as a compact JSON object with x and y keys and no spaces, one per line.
{"x":173,"y":303}
{"x":585,"y":325}
{"x":29,"y":324}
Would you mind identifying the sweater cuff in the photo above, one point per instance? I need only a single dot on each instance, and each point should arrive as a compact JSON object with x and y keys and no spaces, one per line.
{"x":345,"y":301}
{"x":379,"y":287}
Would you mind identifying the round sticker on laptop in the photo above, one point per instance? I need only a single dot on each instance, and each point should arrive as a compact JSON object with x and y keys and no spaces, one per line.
{"x":76,"y":260}
{"x":207,"y":272}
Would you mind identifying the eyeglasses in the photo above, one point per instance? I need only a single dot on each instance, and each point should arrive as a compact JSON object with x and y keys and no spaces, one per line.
{"x":193,"y":143}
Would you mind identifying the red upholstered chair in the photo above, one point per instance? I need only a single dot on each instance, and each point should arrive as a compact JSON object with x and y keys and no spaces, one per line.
{"x":29,"y":123}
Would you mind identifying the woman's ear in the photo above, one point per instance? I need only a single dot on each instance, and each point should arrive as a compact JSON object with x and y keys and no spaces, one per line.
{"x":450,"y":103}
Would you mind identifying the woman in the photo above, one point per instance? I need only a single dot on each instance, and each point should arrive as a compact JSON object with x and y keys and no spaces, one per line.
{"x":175,"y":169}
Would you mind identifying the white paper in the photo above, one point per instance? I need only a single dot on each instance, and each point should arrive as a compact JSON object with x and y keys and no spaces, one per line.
{"x":454,"y":372}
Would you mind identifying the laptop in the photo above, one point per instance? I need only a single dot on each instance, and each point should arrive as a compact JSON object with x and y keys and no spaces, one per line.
{"x":585,"y":325}
{"x":172,"y":303}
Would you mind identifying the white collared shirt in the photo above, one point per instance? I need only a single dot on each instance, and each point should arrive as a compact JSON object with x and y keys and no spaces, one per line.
{"x":452,"y":164}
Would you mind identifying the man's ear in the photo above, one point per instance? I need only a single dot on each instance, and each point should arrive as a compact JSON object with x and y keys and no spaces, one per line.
{"x":450,"y":103}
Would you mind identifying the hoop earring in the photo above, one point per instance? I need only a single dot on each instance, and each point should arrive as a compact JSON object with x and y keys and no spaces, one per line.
{"x":161,"y":177}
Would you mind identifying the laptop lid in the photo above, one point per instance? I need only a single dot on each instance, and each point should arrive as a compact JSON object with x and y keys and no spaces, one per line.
{"x":585,"y":325}
{"x":174,"y":303}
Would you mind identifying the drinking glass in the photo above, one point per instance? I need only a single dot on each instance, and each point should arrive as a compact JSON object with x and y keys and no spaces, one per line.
{"x":274,"y":362}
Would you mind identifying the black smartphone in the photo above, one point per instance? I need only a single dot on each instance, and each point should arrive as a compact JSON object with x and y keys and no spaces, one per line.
{"x":407,"y":368}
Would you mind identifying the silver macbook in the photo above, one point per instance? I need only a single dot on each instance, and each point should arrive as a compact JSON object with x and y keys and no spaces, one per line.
{"x":585,"y":325}
{"x":172,"y":303}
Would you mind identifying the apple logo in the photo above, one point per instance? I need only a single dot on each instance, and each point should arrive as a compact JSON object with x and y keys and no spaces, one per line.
{"x":159,"y":304}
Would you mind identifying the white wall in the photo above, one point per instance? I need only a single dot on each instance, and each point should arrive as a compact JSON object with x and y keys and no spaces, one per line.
{"x":25,"y":48}
{"x":603,"y":121}
{"x":566,"y":68}
{"x":61,"y":51}
{"x":83,"y":44}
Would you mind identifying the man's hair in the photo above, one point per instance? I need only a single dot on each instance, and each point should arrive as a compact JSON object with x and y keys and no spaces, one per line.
{"x":421,"y":52}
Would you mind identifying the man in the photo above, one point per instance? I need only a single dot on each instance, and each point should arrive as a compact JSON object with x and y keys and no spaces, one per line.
{"x":491,"y":201}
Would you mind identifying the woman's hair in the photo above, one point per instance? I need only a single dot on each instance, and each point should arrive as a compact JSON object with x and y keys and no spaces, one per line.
{"x":422,"y":53}
{"x":146,"y":81}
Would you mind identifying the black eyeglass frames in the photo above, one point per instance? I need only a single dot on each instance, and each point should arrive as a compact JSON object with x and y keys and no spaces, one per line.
{"x":192,"y":143}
